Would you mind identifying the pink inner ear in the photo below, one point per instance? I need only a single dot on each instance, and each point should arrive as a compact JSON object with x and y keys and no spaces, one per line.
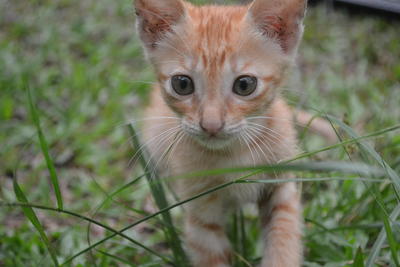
{"x":280,"y":19}
{"x":153,"y":28}
{"x":274,"y":26}
{"x":157,"y":18}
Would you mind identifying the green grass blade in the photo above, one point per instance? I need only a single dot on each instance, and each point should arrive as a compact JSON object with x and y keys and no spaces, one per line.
{"x":160,"y":198}
{"x":109,"y":197}
{"x":217,"y":188}
{"x":359,"y":258}
{"x":243,"y":236}
{"x":314,"y":180}
{"x":117,"y":258}
{"x":321,"y":166}
{"x":30,"y":214}
{"x":380,"y":240}
{"x":30,"y":206}
{"x":234,"y":238}
{"x":395,"y":178}
{"x":394,"y":246}
{"x":45,"y":149}
{"x":214,"y":189}
{"x":367,"y":148}
{"x":354,"y":140}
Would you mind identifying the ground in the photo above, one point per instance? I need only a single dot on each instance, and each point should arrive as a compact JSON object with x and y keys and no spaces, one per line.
{"x":82,"y":63}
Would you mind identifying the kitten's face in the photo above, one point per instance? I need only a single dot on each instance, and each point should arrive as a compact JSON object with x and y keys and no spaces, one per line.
{"x":216,"y":67}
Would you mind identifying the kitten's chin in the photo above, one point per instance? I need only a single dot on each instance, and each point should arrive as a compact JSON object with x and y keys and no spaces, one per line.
{"x":214,"y":143}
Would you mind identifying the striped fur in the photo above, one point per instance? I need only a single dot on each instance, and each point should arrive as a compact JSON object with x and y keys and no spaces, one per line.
{"x":214,"y":45}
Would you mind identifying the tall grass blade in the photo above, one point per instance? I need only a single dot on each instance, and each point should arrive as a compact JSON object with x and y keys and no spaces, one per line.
{"x":109,"y":197}
{"x":380,"y":240}
{"x":394,"y":246}
{"x":30,"y":206}
{"x":359,"y":258}
{"x":180,"y":203}
{"x":234,"y":238}
{"x":367,"y":148}
{"x":45,"y":149}
{"x":345,"y":142}
{"x":117,"y":258}
{"x":243,"y":236}
{"x":160,"y":198}
{"x":30,"y":214}
{"x":321,"y":166}
{"x":395,"y":178}
{"x":217,"y":188}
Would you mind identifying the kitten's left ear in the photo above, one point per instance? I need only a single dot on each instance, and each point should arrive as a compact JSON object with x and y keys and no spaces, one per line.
{"x":157,"y":17}
{"x":281,"y":20}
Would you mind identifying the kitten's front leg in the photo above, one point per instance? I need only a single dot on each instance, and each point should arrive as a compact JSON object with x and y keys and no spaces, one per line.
{"x":282,"y":223}
{"x":205,"y":237}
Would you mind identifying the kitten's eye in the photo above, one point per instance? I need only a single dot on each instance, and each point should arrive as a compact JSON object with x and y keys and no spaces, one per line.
{"x":182,"y":85}
{"x":245,"y":85}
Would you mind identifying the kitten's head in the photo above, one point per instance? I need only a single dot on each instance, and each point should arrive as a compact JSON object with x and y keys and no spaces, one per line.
{"x":218,"y":66}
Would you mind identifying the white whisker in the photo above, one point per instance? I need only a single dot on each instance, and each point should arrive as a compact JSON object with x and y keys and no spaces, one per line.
{"x":153,"y":139}
{"x":263,"y":141}
{"x":270,"y":133}
{"x":160,"y":143}
{"x":254,"y":136}
{"x":147,"y":119}
{"x":175,"y":141}
{"x":245,"y":139}
{"x":274,"y":158}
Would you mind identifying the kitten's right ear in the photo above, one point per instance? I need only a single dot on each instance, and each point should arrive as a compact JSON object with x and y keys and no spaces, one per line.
{"x":156,"y":17}
{"x":281,"y":20}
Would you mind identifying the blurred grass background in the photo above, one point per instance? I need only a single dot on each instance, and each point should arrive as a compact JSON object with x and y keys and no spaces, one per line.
{"x":87,"y":75}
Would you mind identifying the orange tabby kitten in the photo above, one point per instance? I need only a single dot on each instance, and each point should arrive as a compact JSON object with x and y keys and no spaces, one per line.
{"x":219,"y":70}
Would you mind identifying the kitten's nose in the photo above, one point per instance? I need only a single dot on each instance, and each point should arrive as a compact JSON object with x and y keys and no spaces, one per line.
{"x":212,"y":126}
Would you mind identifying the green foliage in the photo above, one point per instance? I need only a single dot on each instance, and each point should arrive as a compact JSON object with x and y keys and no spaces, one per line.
{"x":85,"y":68}
{"x":45,"y":150}
{"x":30,"y":214}
{"x":359,"y":259}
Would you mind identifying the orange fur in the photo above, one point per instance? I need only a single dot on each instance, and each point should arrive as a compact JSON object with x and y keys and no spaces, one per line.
{"x":213,"y":127}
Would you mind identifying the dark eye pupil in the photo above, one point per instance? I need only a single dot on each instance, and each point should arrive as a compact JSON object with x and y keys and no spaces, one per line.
{"x":182,"y":85}
{"x":245,"y":85}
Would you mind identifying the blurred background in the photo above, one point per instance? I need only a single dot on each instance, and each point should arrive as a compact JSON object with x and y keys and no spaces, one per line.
{"x":85,"y":69}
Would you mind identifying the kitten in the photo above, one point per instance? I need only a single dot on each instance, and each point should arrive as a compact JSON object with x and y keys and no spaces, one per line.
{"x":217,"y":105}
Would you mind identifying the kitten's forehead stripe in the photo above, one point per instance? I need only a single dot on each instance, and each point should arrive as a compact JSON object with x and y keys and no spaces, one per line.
{"x":215,"y":34}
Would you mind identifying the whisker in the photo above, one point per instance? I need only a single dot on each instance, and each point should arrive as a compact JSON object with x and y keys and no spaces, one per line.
{"x":153,"y":139}
{"x":264,"y":142}
{"x":245,"y":139}
{"x":274,"y":158}
{"x":267,"y":134}
{"x":168,"y":160}
{"x":176,"y":139}
{"x":279,"y":119}
{"x":254,"y":136}
{"x":137,"y":132}
{"x":146,"y":119}
{"x":270,"y":133}
{"x":254,"y":143}
{"x":142,"y":82}
{"x":267,"y":131}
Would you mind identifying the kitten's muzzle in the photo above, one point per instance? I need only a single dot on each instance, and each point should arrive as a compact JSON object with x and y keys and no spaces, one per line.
{"x":212,"y":126}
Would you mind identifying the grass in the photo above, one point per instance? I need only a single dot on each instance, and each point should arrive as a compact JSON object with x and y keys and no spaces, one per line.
{"x":67,"y":155}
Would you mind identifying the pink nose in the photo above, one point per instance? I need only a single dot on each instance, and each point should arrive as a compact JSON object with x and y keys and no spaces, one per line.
{"x":212,"y":126}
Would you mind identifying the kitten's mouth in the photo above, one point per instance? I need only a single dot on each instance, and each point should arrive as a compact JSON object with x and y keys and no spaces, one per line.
{"x":214,"y":142}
